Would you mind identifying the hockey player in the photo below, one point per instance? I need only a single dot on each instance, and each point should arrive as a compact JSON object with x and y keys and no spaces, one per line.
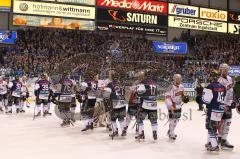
{"x":15,"y":87}
{"x":133,"y":104}
{"x":236,"y":90}
{"x":25,"y":93}
{"x":3,"y":94}
{"x":66,"y":100}
{"x":119,"y":104}
{"x":88,"y":98}
{"x":213,"y":96}
{"x":173,"y":99}
{"x":199,"y":90}
{"x":224,"y":128}
{"x":42,"y":92}
{"x":147,"y":94}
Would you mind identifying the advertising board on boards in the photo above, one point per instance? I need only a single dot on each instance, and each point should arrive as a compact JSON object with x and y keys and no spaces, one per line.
{"x":52,"y":9}
{"x":126,"y":17}
{"x":197,"y":24}
{"x":135,"y":5}
{"x":183,"y":10}
{"x":213,"y":14}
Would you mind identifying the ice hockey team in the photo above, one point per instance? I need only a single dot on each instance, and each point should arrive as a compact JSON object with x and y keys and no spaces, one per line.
{"x":123,"y":104}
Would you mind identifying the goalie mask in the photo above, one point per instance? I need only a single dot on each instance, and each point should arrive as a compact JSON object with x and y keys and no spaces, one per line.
{"x":177,"y":79}
{"x":224,"y":68}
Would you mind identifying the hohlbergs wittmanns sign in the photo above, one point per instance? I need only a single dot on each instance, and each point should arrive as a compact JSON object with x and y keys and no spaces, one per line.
{"x":137,"y":5}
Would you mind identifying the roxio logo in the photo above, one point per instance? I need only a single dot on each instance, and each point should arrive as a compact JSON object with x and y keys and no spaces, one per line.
{"x":141,"y":5}
{"x":213,"y":14}
{"x":23,"y":7}
{"x":183,"y":10}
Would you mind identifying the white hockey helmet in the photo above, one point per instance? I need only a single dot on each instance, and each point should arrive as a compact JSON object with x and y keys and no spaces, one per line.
{"x":83,"y":86}
{"x":224,"y":68}
{"x":24,"y":78}
{"x":107,"y":92}
{"x":141,"y":89}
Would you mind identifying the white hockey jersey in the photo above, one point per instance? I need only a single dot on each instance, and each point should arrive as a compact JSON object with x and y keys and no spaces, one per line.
{"x":3,"y":87}
{"x":24,"y":88}
{"x":174,"y":96}
{"x":228,"y":84}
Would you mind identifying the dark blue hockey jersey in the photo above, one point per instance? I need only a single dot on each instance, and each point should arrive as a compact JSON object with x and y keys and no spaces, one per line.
{"x":117,"y":95}
{"x":213,"y":97}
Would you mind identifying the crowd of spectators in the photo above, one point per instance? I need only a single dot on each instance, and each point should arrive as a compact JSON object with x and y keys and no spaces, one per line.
{"x":55,"y":51}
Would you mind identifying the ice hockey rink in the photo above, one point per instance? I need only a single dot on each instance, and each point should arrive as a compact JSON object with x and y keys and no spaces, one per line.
{"x":43,"y":138}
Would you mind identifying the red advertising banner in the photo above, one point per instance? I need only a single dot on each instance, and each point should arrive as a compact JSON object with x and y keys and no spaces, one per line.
{"x":136,"y":5}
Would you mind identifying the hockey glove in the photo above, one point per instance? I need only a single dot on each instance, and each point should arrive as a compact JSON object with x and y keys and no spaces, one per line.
{"x":185,"y":99}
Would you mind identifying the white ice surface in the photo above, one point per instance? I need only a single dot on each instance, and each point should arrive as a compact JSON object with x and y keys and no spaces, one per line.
{"x":23,"y":138}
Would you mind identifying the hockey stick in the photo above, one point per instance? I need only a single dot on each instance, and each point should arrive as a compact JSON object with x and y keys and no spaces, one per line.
{"x":28,"y":103}
{"x":34,"y":116}
{"x":112,"y":126}
{"x":137,"y":119}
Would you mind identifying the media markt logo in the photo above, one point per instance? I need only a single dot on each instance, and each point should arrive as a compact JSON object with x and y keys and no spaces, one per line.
{"x":135,"y":4}
{"x":143,"y":5}
{"x":23,"y":7}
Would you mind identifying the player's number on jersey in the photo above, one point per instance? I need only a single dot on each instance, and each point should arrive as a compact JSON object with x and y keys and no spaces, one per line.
{"x":94,"y":86}
{"x":220,"y":97}
{"x":153,"y":89}
{"x":45,"y":87}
